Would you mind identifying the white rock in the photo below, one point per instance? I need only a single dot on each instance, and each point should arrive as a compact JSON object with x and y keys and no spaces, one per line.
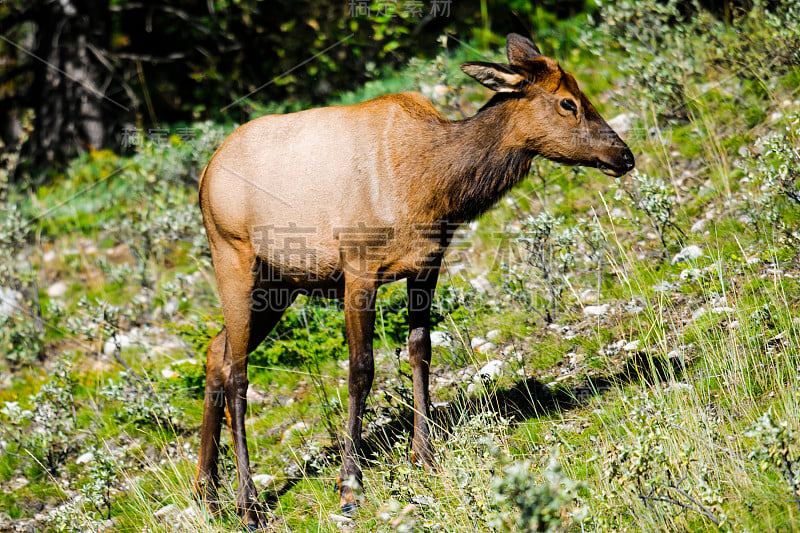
{"x":254,"y":396}
{"x":10,"y":301}
{"x":743,"y":151}
{"x":168,"y":373}
{"x":494,"y":335}
{"x":189,"y":514}
{"x":486,"y":347}
{"x":664,"y":286}
{"x":110,"y":345}
{"x":18,"y":483}
{"x":188,"y":360}
{"x":699,"y":313}
{"x":689,"y":253}
{"x":631,"y":346}
{"x":171,"y":307}
{"x":49,"y":256}
{"x":297,"y":426}
{"x":622,"y":123}
{"x":492,"y":369}
{"x":776,"y":116}
{"x":440,"y":338}
{"x":588,"y":296}
{"x":480,"y":284}
{"x":618,"y":214}
{"x":263,"y":479}
{"x":166,"y":510}
{"x":699,"y":226}
{"x":596,"y":310}
{"x":477,"y":341}
{"x":340,"y":519}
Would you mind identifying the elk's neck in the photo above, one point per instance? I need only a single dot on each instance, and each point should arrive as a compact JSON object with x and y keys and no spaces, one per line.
{"x":475,"y":162}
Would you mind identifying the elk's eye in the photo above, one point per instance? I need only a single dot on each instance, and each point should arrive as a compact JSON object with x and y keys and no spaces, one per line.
{"x":569,"y":105}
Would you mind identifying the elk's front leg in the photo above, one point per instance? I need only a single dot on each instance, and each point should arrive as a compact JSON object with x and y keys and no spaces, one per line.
{"x":420,"y":298}
{"x":359,"y":311}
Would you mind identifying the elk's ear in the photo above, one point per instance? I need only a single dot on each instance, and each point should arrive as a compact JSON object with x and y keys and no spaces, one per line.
{"x":544,"y":72}
{"x":519,"y":49}
{"x":495,"y":76}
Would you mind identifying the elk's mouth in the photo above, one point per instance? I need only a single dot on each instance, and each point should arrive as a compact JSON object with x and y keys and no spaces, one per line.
{"x":605,"y":168}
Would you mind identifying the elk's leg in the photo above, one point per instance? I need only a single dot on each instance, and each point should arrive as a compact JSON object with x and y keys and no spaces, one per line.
{"x":207,"y":477}
{"x":245,"y":328}
{"x":420,"y":298}
{"x":359,"y":312}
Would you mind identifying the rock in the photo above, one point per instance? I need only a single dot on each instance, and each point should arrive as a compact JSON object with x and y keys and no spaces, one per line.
{"x":632,"y":346}
{"x":186,"y":361}
{"x":486,"y":347}
{"x":110,"y":345}
{"x":588,"y":296}
{"x":494,"y":335}
{"x":263,"y":479}
{"x":171,"y":307}
{"x":743,"y":151}
{"x":776,"y":116}
{"x":699,"y":226}
{"x":618,"y":214}
{"x":477,"y":341}
{"x":480,"y":284}
{"x":596,"y":310}
{"x":664,"y":286}
{"x":255,"y":396}
{"x":18,"y":483}
{"x":10,"y":301}
{"x":622,"y":123}
{"x":722,"y":309}
{"x":168,"y":373}
{"x":49,"y":256}
{"x":297,"y":426}
{"x":699,"y":313}
{"x":425,"y":501}
{"x":491,"y":370}
{"x":440,"y":338}
{"x":166,"y":510}
{"x":689,"y":253}
{"x":85,"y":458}
{"x":340,"y":519}
{"x":189,"y":514}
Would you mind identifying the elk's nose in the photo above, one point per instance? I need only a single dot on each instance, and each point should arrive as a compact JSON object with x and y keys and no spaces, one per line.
{"x":627,"y":159}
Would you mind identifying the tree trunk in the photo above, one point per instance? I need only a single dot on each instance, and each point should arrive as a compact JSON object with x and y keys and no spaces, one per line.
{"x":67,"y":94}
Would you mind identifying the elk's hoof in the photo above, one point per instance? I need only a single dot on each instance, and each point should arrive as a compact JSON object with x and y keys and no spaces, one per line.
{"x":348,"y":509}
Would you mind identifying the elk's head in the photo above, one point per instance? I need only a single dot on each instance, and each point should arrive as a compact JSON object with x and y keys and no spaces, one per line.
{"x":549,"y":113}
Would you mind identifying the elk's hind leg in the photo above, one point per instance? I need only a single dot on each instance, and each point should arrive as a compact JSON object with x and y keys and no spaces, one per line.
{"x":207,"y":477}
{"x":247,"y":322}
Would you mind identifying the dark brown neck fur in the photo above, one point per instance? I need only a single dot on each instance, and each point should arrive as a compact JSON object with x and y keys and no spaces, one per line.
{"x":473,"y":162}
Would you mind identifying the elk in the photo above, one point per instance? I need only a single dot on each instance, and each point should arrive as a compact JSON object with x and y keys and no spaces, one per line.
{"x":337,"y":201}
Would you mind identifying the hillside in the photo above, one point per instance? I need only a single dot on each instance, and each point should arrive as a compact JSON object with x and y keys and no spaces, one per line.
{"x":609,"y":355}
